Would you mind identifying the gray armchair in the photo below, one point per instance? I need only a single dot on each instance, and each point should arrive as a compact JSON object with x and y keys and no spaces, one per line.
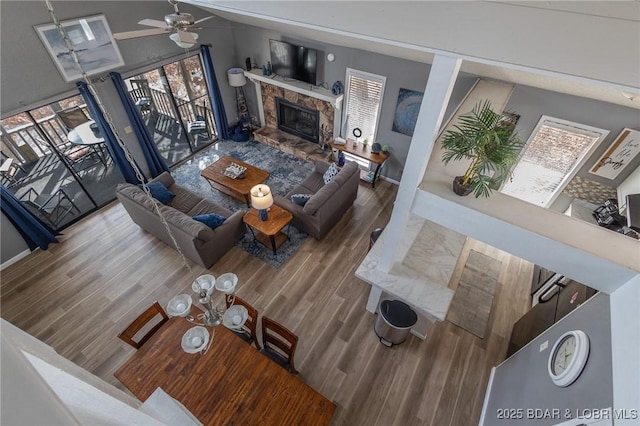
{"x":328,"y":203}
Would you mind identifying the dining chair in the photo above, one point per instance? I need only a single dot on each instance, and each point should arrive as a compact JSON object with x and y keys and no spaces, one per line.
{"x":130,"y":333}
{"x":279,"y":344}
{"x":249,"y":330}
{"x":53,"y":207}
{"x":8,"y":171}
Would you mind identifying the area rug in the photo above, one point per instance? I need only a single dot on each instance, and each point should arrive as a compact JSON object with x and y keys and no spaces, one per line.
{"x":471,"y":304}
{"x":286,"y":171}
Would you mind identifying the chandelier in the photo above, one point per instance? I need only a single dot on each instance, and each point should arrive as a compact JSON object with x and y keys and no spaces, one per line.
{"x":203,"y":286}
{"x":233,"y":317}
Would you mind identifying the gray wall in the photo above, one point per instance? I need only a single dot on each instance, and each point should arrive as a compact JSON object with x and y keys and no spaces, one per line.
{"x":400,"y":73}
{"x":11,"y":242}
{"x":30,"y":78}
{"x":531,"y":103}
{"x":522,"y":381}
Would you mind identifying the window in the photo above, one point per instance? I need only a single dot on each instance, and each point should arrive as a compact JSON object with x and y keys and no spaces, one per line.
{"x":56,"y":174}
{"x":171,"y":98}
{"x":554,"y":153}
{"x":363,"y":99}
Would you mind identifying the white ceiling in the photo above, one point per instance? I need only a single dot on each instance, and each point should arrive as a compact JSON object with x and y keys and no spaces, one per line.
{"x":310,"y":26}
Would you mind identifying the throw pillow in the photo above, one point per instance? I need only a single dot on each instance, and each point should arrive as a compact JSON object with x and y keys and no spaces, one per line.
{"x":301,"y":199}
{"x":160,"y":192}
{"x":212,"y":220}
{"x":331,"y":172}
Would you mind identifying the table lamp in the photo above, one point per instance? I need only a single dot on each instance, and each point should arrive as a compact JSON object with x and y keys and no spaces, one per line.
{"x":261,"y":199}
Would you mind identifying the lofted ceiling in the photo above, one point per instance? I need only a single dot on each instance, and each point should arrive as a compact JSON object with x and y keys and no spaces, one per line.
{"x":310,"y":23}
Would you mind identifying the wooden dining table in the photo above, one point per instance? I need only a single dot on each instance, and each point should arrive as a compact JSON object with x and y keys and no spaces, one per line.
{"x":231,"y":383}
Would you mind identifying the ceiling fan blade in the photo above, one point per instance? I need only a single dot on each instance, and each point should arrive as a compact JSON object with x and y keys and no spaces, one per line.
{"x":139,"y":33}
{"x":154,"y":23}
{"x":186,"y":37}
{"x":204,"y":19}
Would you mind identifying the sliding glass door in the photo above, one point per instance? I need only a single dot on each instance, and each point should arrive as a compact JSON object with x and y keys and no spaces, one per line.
{"x":174,"y":101}
{"x":53,"y":166}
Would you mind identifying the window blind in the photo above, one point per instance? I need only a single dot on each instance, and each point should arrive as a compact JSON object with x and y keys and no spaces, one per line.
{"x":363,"y":100}
{"x":555,"y":151}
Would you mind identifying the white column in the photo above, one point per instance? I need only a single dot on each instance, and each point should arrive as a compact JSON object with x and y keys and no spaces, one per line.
{"x":625,"y":352}
{"x":442,"y":77}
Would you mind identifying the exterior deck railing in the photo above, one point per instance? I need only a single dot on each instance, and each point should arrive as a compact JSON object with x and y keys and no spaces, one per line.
{"x":187,"y":109}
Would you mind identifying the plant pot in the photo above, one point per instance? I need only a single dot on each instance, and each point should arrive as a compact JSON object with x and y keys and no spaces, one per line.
{"x":459,"y":188}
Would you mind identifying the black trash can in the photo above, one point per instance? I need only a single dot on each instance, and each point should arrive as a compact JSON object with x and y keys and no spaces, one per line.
{"x":394,"y":322}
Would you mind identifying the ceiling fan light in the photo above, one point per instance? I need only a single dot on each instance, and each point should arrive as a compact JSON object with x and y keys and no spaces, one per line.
{"x":179,"y":20}
{"x":176,"y":39}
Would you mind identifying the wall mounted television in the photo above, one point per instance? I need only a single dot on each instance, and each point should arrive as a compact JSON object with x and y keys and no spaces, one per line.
{"x":292,"y":61}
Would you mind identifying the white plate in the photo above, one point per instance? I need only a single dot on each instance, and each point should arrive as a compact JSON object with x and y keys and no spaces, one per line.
{"x":180,"y":305}
{"x":235,"y":317}
{"x":195,"y":339}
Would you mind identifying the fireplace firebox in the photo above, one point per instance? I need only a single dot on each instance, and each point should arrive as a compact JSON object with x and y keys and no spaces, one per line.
{"x":298,"y":120}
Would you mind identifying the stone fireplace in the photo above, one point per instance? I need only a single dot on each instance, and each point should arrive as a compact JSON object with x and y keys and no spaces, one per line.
{"x":296,"y":117}
{"x":298,"y":120}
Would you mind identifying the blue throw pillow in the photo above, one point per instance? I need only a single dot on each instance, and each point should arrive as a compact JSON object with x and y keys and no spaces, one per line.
{"x":331,"y":172}
{"x":301,"y":199}
{"x":212,"y":220}
{"x":160,"y":192}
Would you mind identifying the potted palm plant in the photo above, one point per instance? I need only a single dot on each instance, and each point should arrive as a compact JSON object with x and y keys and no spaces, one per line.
{"x":490,"y":141}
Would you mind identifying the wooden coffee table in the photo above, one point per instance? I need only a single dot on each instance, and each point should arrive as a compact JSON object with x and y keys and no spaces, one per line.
{"x":270,"y":230}
{"x":237,"y":188}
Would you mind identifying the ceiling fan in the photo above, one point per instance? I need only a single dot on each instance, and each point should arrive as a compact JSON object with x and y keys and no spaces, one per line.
{"x":175,"y":24}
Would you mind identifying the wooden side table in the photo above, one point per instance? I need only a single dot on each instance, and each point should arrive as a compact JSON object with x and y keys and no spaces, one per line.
{"x":269,"y":232}
{"x":364,"y":153}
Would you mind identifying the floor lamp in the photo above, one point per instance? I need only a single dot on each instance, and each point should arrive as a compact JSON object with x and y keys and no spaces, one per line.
{"x":238,"y":80}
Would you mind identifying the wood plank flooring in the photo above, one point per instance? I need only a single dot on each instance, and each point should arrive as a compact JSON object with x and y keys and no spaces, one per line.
{"x":78,"y":295}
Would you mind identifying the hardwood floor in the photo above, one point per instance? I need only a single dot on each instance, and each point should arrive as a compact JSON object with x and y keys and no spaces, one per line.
{"x":78,"y":295}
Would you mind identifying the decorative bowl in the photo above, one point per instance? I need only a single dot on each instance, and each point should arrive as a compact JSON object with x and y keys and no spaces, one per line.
{"x":234,"y":170}
{"x":195,"y":339}
{"x":179,"y":306}
{"x":235,"y":317}
{"x":205,"y":282}
{"x":227,"y":282}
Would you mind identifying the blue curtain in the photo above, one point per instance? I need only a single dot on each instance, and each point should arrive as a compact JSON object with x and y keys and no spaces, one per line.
{"x":149,"y":149}
{"x":34,"y":231}
{"x":217,"y":105}
{"x":110,"y":139}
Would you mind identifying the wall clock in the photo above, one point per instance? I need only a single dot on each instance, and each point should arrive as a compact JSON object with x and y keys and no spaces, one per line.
{"x":568,"y":357}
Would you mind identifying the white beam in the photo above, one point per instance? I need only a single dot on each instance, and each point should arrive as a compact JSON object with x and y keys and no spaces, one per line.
{"x":625,"y":353}
{"x":442,"y":78}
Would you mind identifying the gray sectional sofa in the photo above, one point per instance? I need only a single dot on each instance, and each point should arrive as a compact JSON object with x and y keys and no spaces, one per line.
{"x":328,"y":203}
{"x":196,"y":240}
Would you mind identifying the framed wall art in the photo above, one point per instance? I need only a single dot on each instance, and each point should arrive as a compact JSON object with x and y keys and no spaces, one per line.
{"x":91,"y":39}
{"x":621,"y":152}
{"x":407,"y":109}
